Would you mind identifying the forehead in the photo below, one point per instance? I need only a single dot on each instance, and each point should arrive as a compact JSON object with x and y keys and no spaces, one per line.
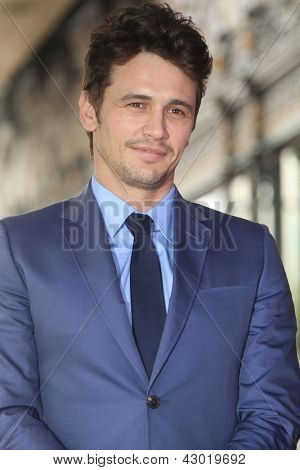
{"x":149,"y":73}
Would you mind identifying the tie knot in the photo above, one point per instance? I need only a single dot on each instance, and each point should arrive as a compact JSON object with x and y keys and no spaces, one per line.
{"x":139,"y":223}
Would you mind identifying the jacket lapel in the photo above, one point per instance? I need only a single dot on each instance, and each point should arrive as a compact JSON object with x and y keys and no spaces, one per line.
{"x":86,"y":237}
{"x":191,"y":241}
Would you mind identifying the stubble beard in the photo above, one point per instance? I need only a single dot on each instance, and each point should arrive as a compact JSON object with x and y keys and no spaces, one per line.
{"x":136,"y":177}
{"x":139,"y":178}
{"x":133,"y":176}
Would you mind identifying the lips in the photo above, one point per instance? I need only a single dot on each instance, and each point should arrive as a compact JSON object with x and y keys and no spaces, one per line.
{"x":152,"y":152}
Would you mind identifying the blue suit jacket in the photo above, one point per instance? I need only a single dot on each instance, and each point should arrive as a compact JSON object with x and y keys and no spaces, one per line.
{"x":71,"y":377}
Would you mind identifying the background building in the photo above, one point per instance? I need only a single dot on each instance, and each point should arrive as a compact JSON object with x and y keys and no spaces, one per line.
{"x":244,"y":153}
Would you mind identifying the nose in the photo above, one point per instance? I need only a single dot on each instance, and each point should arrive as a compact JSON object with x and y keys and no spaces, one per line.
{"x":155,"y":125}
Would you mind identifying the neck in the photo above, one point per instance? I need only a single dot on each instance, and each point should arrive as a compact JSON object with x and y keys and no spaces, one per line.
{"x":141,"y":199}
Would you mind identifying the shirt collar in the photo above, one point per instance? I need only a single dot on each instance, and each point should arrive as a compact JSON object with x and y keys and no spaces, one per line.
{"x":115,"y":210}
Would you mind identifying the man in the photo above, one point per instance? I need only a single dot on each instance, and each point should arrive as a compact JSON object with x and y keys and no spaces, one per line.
{"x":131,"y":318}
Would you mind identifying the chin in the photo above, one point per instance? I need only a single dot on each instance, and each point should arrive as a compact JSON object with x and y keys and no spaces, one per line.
{"x":152,"y":183}
{"x":141,"y":177}
{"x":145,"y":183}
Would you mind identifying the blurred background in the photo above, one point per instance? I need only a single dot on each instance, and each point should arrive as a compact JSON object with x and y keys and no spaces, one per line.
{"x":244,"y":155}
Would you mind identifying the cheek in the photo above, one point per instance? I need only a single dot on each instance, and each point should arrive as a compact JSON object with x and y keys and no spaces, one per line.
{"x":180,"y":134}
{"x":180,"y":142}
{"x":109,"y":135}
{"x":125,"y":129}
{"x":127,"y":121}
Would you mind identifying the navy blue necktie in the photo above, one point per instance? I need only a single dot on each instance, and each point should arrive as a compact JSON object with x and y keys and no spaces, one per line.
{"x":147,"y":296}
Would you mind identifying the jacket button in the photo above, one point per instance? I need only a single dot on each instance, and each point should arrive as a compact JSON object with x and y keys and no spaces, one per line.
{"x":33,"y":412}
{"x":153,"y":401}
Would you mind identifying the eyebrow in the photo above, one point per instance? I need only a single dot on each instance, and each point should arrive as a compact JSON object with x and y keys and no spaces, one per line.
{"x":175,"y":101}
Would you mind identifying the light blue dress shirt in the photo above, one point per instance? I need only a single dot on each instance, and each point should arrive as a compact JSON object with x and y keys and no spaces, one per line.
{"x":115,"y":211}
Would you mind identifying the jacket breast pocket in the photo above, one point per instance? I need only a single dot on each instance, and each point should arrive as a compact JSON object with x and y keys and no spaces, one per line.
{"x":227,"y":294}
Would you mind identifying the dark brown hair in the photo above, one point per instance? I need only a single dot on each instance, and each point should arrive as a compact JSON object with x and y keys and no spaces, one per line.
{"x":151,"y":27}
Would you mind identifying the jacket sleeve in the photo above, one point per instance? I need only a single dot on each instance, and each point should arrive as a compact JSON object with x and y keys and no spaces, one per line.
{"x":20,"y":403}
{"x":269,"y":384}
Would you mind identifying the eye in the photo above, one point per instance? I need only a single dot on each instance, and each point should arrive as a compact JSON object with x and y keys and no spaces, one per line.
{"x":136,"y":105}
{"x":177,"y":111}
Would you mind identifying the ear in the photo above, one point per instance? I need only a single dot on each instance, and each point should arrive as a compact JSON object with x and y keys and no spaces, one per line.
{"x":87,"y":113}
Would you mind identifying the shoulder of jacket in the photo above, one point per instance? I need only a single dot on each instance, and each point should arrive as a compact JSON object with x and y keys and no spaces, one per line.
{"x":34,"y":217}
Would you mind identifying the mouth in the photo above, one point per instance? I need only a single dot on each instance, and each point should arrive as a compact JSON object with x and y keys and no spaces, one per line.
{"x":154,"y":154}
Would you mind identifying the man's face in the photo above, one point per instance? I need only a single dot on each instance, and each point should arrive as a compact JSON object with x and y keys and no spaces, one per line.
{"x":146,"y":119}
